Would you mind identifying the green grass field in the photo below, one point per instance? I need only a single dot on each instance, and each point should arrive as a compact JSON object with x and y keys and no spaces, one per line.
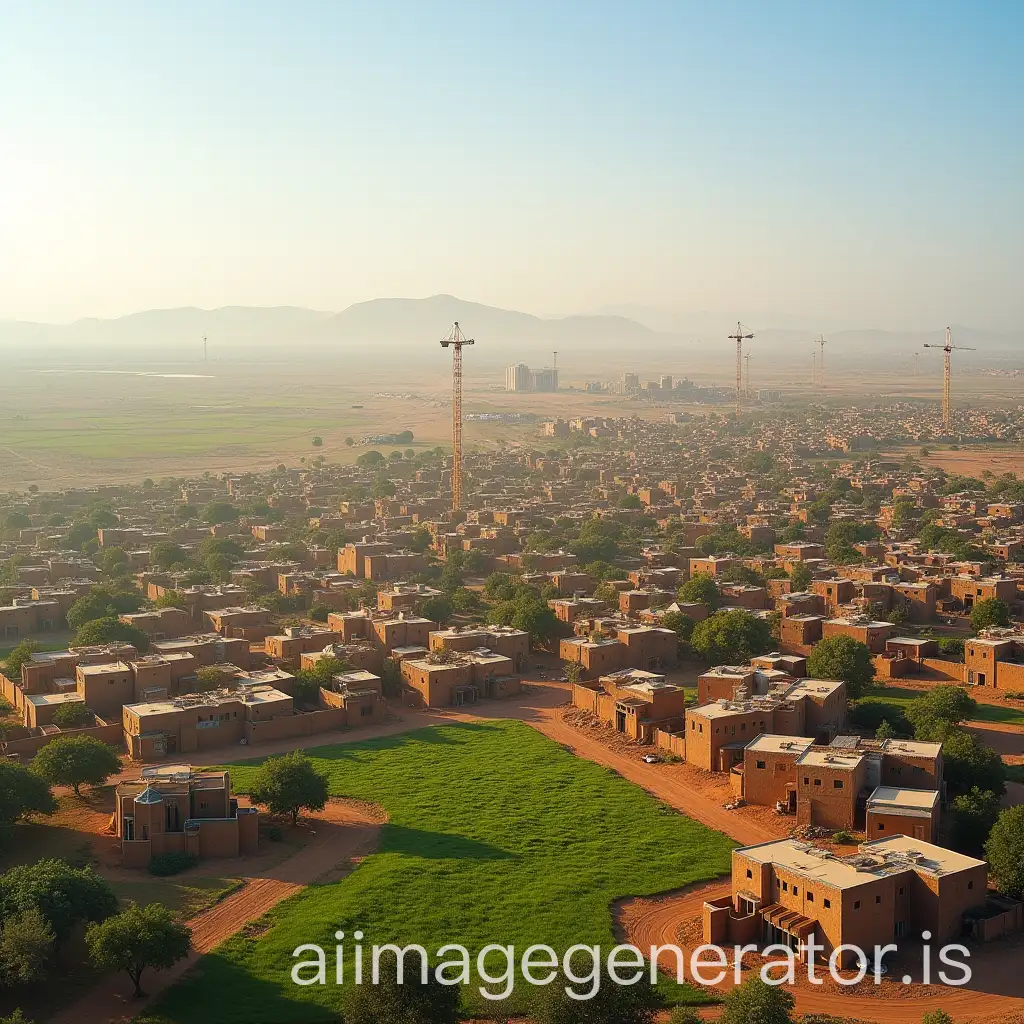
{"x":496,"y":834}
{"x":899,"y":697}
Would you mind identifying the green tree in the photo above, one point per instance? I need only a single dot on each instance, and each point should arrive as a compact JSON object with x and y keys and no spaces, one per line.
{"x":757,"y":1002}
{"x":936,"y":714}
{"x":186,"y":512}
{"x":611,"y":1004}
{"x":318,"y":442}
{"x":17,"y":1017}
{"x":21,"y":793}
{"x":218,"y":512}
{"x":109,"y":630}
{"x":842,"y":657}
{"x":989,"y":611}
{"x":408,"y":1003}
{"x":76,"y":761}
{"x":1004,"y":850}
{"x":885,"y":731}
{"x":733,"y":637}
{"x":629,"y":501}
{"x":73,"y":715}
{"x":137,"y":939}
{"x":936,"y":1016}
{"x":171,"y":599}
{"x":26,"y":948}
{"x":102,"y":602}
{"x":465,"y":601}
{"x":420,"y":539}
{"x":370,"y":460}
{"x":391,"y":684}
{"x":290,"y":783}
{"x":681,"y":625}
{"x":974,"y":814}
{"x":64,"y":895}
{"x":700,"y":588}
{"x":18,"y":657}
{"x":165,"y":554}
{"x":526,"y":611}
{"x":438,"y":609}
{"x":115,"y":561}
{"x":573,"y":671}
{"x":968,"y":763}
{"x":800,"y":577}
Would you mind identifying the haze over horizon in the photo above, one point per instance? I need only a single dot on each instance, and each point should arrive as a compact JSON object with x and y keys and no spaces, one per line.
{"x":832,"y":166}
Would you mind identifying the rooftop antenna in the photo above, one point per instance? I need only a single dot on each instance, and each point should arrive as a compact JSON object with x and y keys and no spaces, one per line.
{"x":821,"y":343}
{"x":455,"y":339}
{"x":946,"y":349}
{"x":739,"y":337}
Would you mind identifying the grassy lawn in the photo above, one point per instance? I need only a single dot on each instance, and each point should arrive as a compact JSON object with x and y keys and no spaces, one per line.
{"x":184,"y":899}
{"x":53,"y":642}
{"x":900,"y":697}
{"x":496,"y":835}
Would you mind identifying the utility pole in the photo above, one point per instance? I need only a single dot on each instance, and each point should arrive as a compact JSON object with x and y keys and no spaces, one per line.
{"x":946,"y":350}
{"x":739,"y":337}
{"x":821,"y":343}
{"x":456,"y":339}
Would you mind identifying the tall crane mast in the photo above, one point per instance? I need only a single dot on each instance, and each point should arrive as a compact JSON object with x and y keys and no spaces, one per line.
{"x":821,"y":343}
{"x":455,"y":339}
{"x":746,"y":367}
{"x":739,"y":337}
{"x":947,"y":348}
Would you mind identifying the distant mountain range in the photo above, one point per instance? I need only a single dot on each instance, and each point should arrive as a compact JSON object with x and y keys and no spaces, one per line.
{"x":412,"y":326}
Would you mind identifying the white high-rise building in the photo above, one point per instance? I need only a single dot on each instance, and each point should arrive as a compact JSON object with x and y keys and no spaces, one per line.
{"x":518,"y":378}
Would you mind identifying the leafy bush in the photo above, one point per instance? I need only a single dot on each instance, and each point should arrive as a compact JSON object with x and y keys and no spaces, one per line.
{"x":164,"y":864}
{"x":274,"y":834}
{"x":73,"y":715}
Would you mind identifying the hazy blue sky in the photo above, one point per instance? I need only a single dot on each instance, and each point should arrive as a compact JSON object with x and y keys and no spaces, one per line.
{"x":859,"y":162}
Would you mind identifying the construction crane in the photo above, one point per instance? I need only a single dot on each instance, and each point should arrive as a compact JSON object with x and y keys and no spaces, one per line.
{"x":456,"y":339}
{"x":821,"y":343}
{"x":746,"y":367}
{"x":739,"y":337}
{"x":946,"y":349}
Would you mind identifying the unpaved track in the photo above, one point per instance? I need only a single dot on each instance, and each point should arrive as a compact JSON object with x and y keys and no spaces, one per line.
{"x":990,"y":999}
{"x":342,"y":832}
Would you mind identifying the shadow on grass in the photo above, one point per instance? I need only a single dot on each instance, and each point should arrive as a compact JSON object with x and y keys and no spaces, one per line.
{"x":438,"y":845}
{"x":241,"y":997}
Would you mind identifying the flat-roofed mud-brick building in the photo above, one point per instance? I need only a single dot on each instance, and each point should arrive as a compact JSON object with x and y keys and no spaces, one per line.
{"x":634,"y":702}
{"x":173,"y":809}
{"x":908,"y":812}
{"x":892,"y":889}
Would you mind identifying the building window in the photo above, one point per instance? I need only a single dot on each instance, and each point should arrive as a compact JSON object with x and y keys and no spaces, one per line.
{"x":970,"y":885}
{"x":810,"y":897}
{"x":878,"y":899}
{"x":881,"y":826}
{"x":817,"y":782}
{"x":856,"y":904}
{"x":785,"y":886}
{"x":750,"y":874}
{"x":761,"y":764}
{"x":807,"y":780}
{"x":902,"y":890}
{"x":827,"y":902}
{"x":202,"y":805}
{"x":837,"y":783}
{"x":796,"y":891}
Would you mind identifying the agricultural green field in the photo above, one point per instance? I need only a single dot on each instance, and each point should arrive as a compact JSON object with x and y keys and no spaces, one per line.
{"x":898,"y":697}
{"x":496,"y":834}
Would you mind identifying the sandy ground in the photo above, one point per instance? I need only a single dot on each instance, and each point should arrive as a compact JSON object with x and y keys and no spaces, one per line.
{"x":340,"y":836}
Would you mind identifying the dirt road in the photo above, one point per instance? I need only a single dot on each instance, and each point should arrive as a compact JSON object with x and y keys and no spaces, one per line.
{"x":342,"y":832}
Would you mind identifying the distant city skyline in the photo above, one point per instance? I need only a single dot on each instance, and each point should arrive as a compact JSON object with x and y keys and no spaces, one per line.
{"x":828,"y":164}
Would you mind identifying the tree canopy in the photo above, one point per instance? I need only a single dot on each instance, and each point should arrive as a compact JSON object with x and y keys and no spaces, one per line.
{"x":21,"y":793}
{"x":935,"y":714}
{"x":289,"y":783}
{"x":968,"y":763}
{"x":989,"y":611}
{"x":700,"y":588}
{"x":76,"y":761}
{"x":842,"y":657}
{"x":734,"y":637}
{"x":974,"y":814}
{"x":110,"y":630}
{"x":756,"y":1000}
{"x":138,"y":938}
{"x":1004,"y":851}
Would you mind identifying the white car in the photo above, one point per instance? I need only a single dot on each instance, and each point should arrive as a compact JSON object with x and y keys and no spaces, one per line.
{"x":652,"y":759}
